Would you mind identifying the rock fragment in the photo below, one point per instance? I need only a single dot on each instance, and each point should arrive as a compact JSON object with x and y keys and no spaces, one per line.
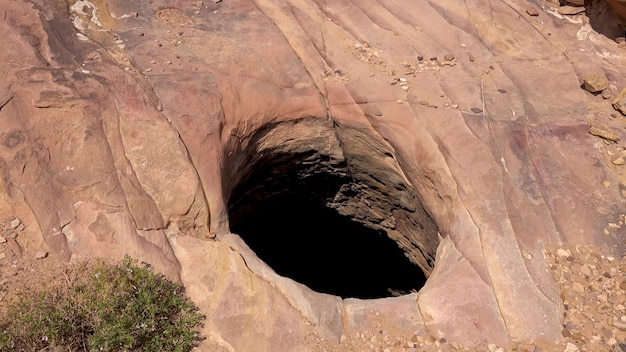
{"x":598,"y":132}
{"x":532,"y":11}
{"x":15,"y":247}
{"x":527,"y":255}
{"x":571,"y":10}
{"x":620,"y":102}
{"x":564,"y":253}
{"x":41,"y":255}
{"x":448,"y":57}
{"x":595,"y":83}
{"x":476,"y":110}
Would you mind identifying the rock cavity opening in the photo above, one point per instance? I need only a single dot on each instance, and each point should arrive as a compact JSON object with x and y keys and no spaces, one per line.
{"x":298,"y":198}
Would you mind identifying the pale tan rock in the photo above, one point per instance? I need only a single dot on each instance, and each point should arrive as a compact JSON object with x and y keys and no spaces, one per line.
{"x":620,"y":102}
{"x":600,"y":132}
{"x":572,"y":10}
{"x":593,"y":83}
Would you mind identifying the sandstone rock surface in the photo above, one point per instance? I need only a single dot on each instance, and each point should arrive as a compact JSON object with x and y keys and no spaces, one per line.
{"x":150,"y":127}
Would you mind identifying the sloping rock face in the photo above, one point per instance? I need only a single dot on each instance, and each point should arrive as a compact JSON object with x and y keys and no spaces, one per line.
{"x":458,"y":130}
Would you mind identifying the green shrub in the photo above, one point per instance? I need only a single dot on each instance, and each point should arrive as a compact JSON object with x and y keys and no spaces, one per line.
{"x":102,"y":307}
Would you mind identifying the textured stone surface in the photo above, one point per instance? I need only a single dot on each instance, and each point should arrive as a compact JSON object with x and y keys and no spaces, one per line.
{"x":127,"y":126}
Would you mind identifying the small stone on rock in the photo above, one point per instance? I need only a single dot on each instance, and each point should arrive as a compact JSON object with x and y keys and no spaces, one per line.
{"x":448,"y":57}
{"x":476,"y":110}
{"x":13,"y":224}
{"x":620,"y":102}
{"x":41,"y":255}
{"x":502,"y":90}
{"x":532,"y":11}
{"x":571,"y":10}
{"x":618,"y":161}
{"x":565,"y":253}
{"x":570,"y":347}
{"x":527,"y":255}
{"x":595,"y":83}
{"x":599,"y":132}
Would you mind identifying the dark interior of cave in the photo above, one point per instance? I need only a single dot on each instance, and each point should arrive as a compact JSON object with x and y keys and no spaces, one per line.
{"x":299,"y":237}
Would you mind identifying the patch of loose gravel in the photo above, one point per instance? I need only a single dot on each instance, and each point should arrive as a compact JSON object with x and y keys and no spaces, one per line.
{"x":593,"y":292}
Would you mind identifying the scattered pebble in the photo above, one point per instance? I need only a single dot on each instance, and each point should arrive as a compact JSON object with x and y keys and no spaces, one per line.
{"x":527,"y":255}
{"x":599,"y":132}
{"x":595,"y":83}
{"x":476,"y":110}
{"x":620,"y":102}
{"x":14,"y":223}
{"x":570,"y":347}
{"x":532,"y":11}
{"x":502,"y":90}
{"x":41,"y":255}
{"x":448,"y":57}
{"x":563,"y":253}
{"x":571,"y":10}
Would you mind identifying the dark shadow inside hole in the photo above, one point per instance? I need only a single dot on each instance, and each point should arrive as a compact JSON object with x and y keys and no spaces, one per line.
{"x":304,"y":240}
{"x":605,"y":20}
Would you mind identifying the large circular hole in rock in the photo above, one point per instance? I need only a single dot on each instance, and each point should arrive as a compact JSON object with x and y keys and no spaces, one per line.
{"x":285,"y":205}
{"x":316,"y":246}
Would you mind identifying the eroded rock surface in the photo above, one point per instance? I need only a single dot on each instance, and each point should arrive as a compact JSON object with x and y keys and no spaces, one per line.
{"x":460,"y":131}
